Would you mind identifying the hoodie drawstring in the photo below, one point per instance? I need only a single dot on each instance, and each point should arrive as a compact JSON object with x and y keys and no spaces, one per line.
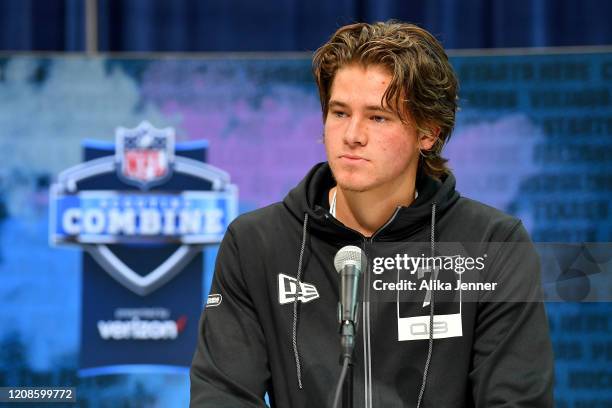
{"x":298,"y":277}
{"x":431,"y":306}
{"x":298,"y":283}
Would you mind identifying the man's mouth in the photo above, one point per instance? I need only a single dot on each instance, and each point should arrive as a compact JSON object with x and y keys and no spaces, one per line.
{"x":352,"y":158}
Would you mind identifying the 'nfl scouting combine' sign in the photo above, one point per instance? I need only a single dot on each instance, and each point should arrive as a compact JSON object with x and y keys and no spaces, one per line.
{"x":142,"y":209}
{"x":144,"y":157}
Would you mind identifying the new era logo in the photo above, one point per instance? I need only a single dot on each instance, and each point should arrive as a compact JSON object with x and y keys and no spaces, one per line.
{"x":288,"y":290}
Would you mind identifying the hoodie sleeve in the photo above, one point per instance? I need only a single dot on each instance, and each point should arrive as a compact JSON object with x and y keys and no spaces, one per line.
{"x":230,"y":365}
{"x":512,"y":359}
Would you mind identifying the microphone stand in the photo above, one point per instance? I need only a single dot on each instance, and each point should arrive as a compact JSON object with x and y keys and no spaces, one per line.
{"x":347,"y":390}
{"x":347,"y":317}
{"x":348,"y":343}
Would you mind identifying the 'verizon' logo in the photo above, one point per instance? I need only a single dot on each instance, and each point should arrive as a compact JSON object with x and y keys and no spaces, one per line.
{"x":96,"y":218}
{"x":137,"y":329}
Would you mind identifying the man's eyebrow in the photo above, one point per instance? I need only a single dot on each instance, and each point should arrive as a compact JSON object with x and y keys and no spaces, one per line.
{"x":376,"y":108}
{"x":379,"y":108}
{"x":337,"y":104}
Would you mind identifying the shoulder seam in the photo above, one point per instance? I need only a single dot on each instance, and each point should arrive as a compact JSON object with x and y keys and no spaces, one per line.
{"x":515,"y":227}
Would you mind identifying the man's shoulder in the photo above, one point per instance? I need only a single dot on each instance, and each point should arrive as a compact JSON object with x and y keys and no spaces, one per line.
{"x":477,"y":210}
{"x":263,"y":219}
{"x":495,"y":224}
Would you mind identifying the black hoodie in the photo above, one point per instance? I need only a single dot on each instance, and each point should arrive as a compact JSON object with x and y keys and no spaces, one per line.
{"x":257,"y":336}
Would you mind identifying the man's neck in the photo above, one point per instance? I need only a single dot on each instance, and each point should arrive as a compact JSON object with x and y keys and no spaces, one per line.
{"x":366,"y":212}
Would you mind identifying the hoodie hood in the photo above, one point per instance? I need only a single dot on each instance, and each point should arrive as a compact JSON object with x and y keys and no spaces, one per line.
{"x":310,"y":197}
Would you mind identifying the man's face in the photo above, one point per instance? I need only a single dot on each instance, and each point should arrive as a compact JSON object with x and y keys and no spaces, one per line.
{"x":367,"y":145}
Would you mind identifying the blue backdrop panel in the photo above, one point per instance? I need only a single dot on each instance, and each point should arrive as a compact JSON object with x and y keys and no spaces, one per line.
{"x":292,"y":25}
{"x":533,"y":138}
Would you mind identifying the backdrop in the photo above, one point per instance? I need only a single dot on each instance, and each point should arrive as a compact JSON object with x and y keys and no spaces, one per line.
{"x":533,"y":139}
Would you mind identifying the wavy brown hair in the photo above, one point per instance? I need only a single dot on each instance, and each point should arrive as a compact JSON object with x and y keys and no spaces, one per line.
{"x":423,"y":81}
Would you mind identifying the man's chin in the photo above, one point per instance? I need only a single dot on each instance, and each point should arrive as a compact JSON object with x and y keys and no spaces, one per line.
{"x":353,"y":187}
{"x":353,"y":181}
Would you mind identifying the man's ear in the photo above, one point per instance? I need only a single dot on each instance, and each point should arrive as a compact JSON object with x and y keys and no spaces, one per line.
{"x":428,"y":139}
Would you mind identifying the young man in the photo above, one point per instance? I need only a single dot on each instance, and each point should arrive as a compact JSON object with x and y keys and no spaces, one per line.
{"x":388,"y":96}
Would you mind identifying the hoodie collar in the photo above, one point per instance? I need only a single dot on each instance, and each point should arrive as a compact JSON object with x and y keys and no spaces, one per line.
{"x":310,"y":197}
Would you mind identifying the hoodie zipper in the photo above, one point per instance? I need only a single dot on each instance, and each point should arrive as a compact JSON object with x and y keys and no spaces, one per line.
{"x":367,"y":352}
{"x":366,"y":317}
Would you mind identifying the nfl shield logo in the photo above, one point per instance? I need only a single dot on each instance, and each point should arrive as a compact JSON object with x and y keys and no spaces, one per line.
{"x":144,"y":155}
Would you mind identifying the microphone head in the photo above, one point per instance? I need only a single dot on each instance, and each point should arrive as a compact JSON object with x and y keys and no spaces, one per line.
{"x":348,"y":255}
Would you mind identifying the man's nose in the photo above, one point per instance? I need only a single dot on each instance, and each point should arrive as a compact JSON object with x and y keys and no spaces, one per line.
{"x":356,"y":132}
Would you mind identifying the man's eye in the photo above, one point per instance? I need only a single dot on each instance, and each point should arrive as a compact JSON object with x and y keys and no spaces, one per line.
{"x":379,"y":119}
{"x":339,"y":114}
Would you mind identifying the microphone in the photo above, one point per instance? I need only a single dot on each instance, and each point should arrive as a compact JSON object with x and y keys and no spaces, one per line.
{"x":348,"y":262}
